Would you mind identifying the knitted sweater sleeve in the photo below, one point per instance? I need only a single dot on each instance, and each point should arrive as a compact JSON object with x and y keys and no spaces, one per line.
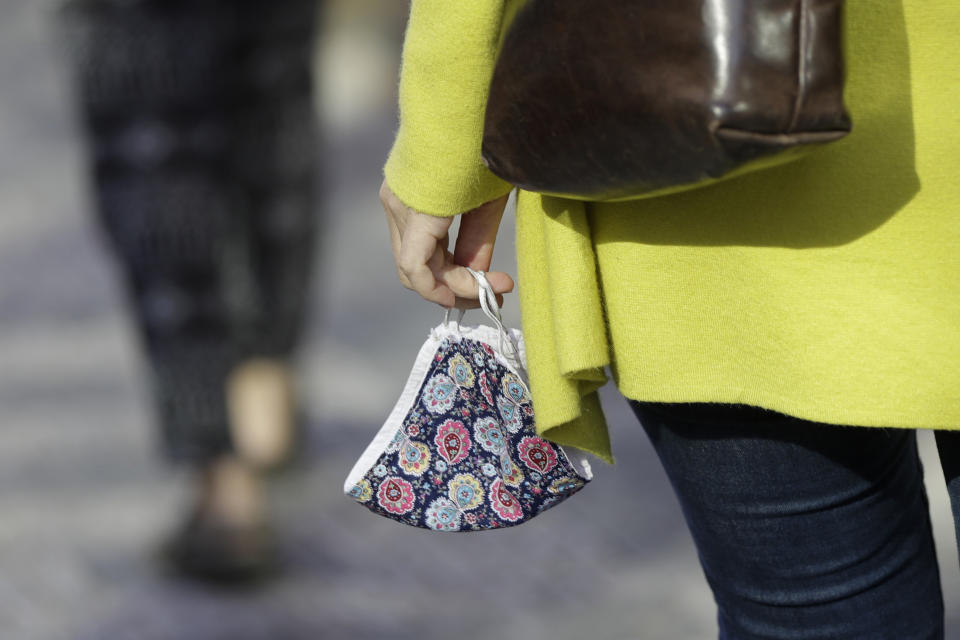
{"x":448,"y":58}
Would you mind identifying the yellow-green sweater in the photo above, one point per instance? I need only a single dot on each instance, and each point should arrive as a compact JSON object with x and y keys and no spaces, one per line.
{"x":828,"y":289}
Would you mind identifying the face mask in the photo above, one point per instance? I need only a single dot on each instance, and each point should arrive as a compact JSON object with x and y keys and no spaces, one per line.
{"x":459,"y":451}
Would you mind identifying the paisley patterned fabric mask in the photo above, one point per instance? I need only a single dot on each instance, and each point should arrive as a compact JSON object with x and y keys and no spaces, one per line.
{"x":459,"y":451}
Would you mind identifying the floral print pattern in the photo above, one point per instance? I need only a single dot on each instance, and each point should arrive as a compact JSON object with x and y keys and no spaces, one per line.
{"x":453,"y":441}
{"x":443,"y":515}
{"x":514,"y":389}
{"x":395,"y":495}
{"x":505,"y":503}
{"x":362,"y":491}
{"x":466,"y":457}
{"x":398,"y":439}
{"x":511,"y":414}
{"x":485,"y":388}
{"x":439,"y":394}
{"x":512,"y":474}
{"x":538,"y":454}
{"x":460,"y":371}
{"x":415,"y":458}
{"x":466,"y":491}
{"x":490,"y":435}
{"x":563,"y":485}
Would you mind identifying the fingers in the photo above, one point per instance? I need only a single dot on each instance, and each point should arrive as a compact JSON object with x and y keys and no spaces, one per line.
{"x":478,"y":234}
{"x":393,"y":212}
{"x":460,"y":281}
{"x":417,"y":241}
{"x":425,"y":265}
{"x":424,"y":281}
{"x":475,"y":244}
{"x":500,"y":282}
{"x":437,"y":279}
{"x":465,"y":286}
{"x":467,"y":303}
{"x":395,"y":242}
{"x":423,"y":255}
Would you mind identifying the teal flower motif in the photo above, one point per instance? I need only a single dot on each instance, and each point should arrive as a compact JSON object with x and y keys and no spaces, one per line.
{"x":461,"y":371}
{"x":443,"y":515}
{"x":439,"y":394}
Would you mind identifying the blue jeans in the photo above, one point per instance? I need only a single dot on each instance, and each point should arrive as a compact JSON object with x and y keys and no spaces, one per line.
{"x":803,"y":530}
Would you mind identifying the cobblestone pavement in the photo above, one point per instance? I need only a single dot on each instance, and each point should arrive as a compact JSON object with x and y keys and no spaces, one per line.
{"x":83,"y":499}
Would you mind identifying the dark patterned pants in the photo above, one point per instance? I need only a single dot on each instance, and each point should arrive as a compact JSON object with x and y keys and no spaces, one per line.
{"x":201,"y":134}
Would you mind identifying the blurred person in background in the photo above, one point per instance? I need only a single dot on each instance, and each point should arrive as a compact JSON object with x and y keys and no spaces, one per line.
{"x":202,"y":143}
{"x":747,"y":322}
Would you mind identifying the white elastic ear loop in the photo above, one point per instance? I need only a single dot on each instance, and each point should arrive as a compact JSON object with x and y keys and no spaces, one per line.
{"x":459,"y":319}
{"x":488,"y":302}
{"x":488,"y":299}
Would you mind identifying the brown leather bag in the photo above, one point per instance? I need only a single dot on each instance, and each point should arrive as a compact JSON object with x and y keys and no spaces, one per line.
{"x":619,"y":99}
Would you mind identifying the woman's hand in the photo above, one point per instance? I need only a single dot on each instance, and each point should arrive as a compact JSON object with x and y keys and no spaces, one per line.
{"x":424,"y":262}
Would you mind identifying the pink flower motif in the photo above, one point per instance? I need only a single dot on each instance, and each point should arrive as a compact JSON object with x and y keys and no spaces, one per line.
{"x":504,"y":503}
{"x":485,"y":388}
{"x":413,"y":430}
{"x":537,"y":454}
{"x":453,"y":441}
{"x":395,"y":495}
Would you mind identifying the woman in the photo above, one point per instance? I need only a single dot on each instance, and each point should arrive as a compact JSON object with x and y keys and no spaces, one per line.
{"x":201,"y":128}
{"x":746,"y":322}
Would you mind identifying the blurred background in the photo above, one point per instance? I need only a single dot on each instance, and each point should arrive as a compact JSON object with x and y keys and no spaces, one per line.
{"x":85,"y":499}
